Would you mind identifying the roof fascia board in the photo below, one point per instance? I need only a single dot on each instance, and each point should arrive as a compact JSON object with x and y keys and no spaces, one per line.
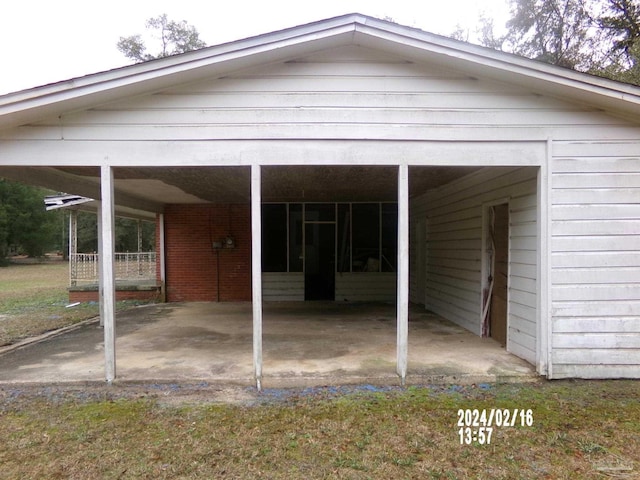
{"x":479,"y":54}
{"x":168,"y":71}
{"x":24,"y":107}
{"x":207,"y":53}
{"x":504,"y":66}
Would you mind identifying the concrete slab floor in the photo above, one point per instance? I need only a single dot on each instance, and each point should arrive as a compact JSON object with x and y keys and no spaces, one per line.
{"x":304,"y":343}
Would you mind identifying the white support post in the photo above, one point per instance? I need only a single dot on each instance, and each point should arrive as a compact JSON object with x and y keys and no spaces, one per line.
{"x":73,"y":246}
{"x":543,"y":283}
{"x":107,"y":277}
{"x":403,"y":272}
{"x":100,"y":254}
{"x":256,"y":272}
{"x":161,"y":254}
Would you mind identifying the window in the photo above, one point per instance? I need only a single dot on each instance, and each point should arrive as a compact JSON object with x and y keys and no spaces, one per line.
{"x":296,"y":259}
{"x":365,"y":237}
{"x":319,"y":212}
{"x":344,"y":237}
{"x":389,"y":252}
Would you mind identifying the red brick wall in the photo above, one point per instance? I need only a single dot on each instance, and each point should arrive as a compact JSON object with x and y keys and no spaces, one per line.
{"x":92,"y":295}
{"x":191,"y":262}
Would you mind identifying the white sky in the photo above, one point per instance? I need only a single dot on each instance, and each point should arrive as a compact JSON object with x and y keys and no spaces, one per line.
{"x":45,"y":41}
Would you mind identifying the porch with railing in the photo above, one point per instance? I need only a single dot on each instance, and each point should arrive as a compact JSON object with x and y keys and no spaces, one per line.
{"x":137,"y":268}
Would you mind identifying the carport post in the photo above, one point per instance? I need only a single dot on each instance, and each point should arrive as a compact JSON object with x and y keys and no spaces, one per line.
{"x":256,"y":272}
{"x":100,"y":250}
{"x":403,"y":271}
{"x":107,"y":278}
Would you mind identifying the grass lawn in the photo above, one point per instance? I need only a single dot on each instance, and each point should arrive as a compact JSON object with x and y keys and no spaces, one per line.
{"x":579,"y":430}
{"x":568,"y":429}
{"x":33,"y":298}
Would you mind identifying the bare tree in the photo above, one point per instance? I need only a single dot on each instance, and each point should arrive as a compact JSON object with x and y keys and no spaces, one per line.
{"x":174,"y":37}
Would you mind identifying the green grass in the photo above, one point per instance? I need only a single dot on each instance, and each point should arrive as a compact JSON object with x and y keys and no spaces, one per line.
{"x":581,"y":430}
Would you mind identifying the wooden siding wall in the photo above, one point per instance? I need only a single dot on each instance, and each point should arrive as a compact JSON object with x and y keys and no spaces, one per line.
{"x":351,"y":287}
{"x":453,"y":250}
{"x":595,"y":259}
{"x":417,"y":254}
{"x":282,"y":286}
{"x":345,"y":93}
{"x":366,"y":287}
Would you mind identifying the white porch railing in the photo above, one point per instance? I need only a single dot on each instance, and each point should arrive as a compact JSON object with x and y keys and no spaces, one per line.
{"x":137,"y":267}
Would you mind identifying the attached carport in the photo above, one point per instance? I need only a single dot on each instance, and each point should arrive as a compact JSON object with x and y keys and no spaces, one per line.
{"x":333,"y":177}
{"x":342,"y":111}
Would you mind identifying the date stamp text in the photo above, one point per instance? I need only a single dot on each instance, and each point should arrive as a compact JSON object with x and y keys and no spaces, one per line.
{"x":477,"y":426}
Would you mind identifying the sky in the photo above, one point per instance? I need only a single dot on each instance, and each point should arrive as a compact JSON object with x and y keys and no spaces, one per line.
{"x":44,"y":41}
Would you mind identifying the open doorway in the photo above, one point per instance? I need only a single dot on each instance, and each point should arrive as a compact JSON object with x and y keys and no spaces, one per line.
{"x":319,"y":261}
{"x":319,"y":251}
{"x":496,"y":257}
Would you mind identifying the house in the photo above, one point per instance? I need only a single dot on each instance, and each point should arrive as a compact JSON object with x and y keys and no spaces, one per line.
{"x":357,"y":159}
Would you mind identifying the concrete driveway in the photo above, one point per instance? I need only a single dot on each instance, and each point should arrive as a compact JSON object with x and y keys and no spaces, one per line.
{"x":310,"y":343}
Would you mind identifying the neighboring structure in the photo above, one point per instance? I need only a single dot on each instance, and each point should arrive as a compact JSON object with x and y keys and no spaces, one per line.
{"x":135,"y":272}
{"x":357,"y":159}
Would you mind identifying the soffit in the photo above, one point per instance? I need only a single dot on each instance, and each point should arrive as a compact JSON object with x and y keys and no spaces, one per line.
{"x":279,"y":184}
{"x":150,"y":189}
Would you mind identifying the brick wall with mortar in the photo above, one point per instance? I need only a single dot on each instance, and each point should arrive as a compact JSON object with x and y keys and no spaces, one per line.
{"x":191,"y":260}
{"x":92,"y":295}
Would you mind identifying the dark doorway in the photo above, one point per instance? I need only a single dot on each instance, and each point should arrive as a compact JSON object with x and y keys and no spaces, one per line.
{"x":319,"y":261}
{"x":498,"y":311}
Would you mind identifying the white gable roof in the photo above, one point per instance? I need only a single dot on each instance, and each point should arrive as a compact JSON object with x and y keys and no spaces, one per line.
{"x":29,"y":105}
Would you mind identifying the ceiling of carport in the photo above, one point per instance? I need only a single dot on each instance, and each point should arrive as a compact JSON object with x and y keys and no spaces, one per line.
{"x":279,"y":183}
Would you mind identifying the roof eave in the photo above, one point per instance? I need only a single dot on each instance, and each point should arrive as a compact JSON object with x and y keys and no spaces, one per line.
{"x":538,"y":76}
{"x":27,"y":106}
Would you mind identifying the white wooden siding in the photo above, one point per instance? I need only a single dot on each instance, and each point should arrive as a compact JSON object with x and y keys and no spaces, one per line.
{"x":283,"y":287}
{"x":352,"y":287}
{"x":523,"y":272}
{"x":347,"y":93}
{"x":454,"y":250}
{"x":595,"y":259}
{"x":366,"y":287}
